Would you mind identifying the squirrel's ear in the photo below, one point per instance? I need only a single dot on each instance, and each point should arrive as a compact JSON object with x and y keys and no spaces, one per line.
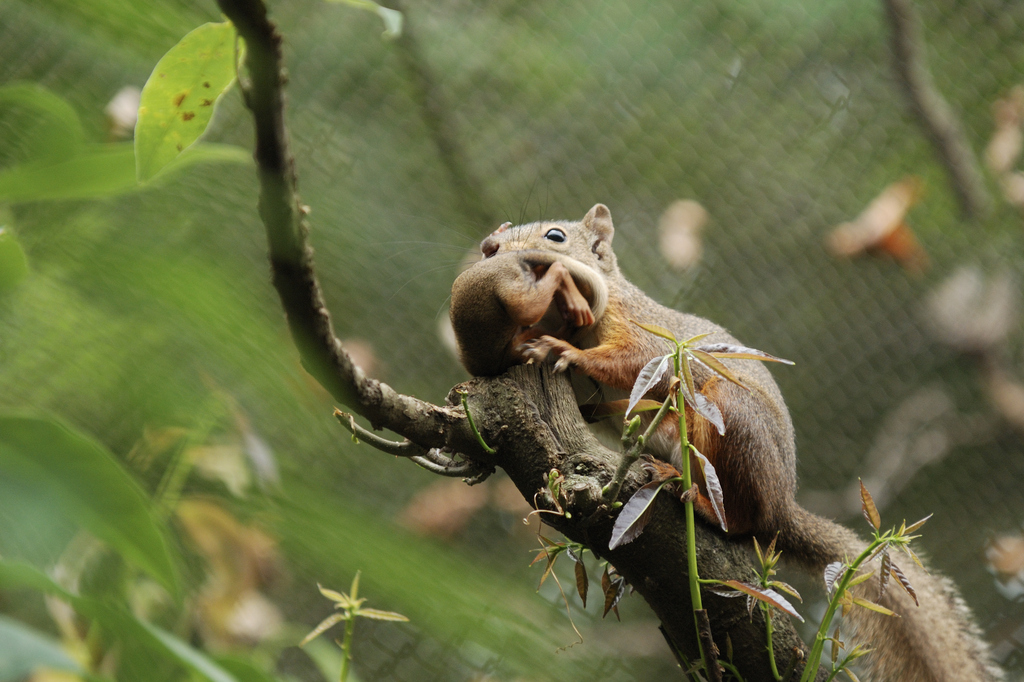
{"x":599,"y":221}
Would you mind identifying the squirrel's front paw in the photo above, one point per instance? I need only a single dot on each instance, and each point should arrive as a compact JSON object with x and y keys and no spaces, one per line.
{"x":537,"y":350}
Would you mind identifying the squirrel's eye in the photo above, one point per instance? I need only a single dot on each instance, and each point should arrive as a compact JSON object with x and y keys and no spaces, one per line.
{"x":555,"y":235}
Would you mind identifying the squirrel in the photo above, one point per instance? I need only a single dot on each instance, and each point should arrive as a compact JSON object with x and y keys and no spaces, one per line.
{"x":554,"y":289}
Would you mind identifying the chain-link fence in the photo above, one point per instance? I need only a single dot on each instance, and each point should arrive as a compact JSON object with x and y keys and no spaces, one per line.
{"x":782,"y":119}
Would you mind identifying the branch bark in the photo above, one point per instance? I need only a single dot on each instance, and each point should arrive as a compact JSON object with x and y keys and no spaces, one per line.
{"x":933,"y":111}
{"x":529,"y":415}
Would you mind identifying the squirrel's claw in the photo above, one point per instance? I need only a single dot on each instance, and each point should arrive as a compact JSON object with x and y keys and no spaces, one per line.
{"x":539,"y":349}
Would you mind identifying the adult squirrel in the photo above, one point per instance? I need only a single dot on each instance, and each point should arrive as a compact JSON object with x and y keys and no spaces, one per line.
{"x":554,"y":289}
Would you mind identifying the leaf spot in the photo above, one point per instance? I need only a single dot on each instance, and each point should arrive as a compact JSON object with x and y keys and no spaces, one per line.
{"x":179,"y":146}
{"x":206,"y":84}
{"x":206,"y":103}
{"x":179,"y":98}
{"x":188,"y":115}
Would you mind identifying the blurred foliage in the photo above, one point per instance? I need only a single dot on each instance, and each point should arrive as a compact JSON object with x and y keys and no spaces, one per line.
{"x":143,"y":317}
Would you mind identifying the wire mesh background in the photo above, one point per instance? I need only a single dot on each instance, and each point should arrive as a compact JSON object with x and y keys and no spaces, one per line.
{"x":783,"y":118}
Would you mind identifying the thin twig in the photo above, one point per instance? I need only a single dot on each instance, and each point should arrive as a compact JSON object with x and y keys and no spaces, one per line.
{"x":432,"y":460}
{"x":708,"y":644}
{"x":933,"y":111}
{"x":611,"y":491}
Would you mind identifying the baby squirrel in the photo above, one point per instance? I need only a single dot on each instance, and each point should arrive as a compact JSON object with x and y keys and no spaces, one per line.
{"x":554,"y":289}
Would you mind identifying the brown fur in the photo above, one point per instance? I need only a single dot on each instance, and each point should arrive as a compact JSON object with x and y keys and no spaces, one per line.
{"x":756,"y":457}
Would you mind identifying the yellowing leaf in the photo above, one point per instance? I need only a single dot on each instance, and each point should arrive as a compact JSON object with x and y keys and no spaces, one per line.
{"x":179,"y":97}
{"x":872,"y":606}
{"x":336,"y":597}
{"x":377,"y":614}
{"x":324,"y":625}
{"x":656,"y":330}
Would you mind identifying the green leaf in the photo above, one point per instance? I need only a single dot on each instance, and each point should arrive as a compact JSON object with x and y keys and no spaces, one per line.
{"x":23,"y":650}
{"x":86,"y":482}
{"x":244,"y":669}
{"x":116,"y":620}
{"x":392,"y":18}
{"x":98,"y":170}
{"x":45,"y":126}
{"x":179,"y":98}
{"x":190,"y":657}
{"x":13,"y":265}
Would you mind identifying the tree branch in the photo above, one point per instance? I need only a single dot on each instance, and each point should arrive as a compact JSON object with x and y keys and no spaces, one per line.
{"x":933,"y":111}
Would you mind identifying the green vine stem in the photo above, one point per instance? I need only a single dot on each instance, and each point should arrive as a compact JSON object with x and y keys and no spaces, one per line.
{"x":814,"y":659}
{"x":691,"y":542}
{"x":346,"y":649}
{"x":768,"y":635}
{"x":472,"y":425}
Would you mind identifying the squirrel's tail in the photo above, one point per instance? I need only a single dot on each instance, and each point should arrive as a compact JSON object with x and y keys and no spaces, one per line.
{"x":934,"y":642}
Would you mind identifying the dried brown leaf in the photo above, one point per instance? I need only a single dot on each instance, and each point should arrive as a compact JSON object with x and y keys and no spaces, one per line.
{"x":869,"y":508}
{"x":898,"y":574}
{"x":582,"y":582}
{"x":917,"y":525}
